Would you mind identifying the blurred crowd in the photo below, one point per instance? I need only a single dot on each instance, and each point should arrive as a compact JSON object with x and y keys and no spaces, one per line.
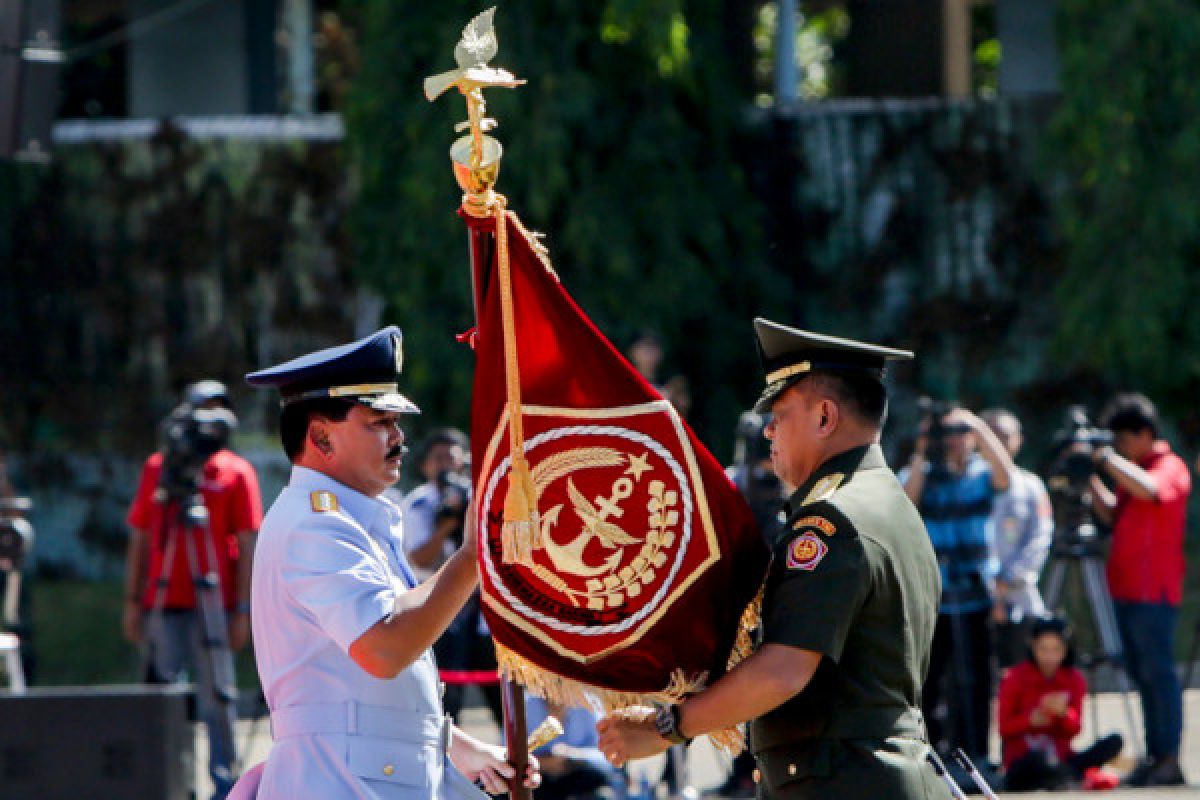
{"x":1004,"y":655}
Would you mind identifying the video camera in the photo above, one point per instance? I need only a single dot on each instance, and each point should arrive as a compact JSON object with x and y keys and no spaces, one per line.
{"x":1069,"y":478}
{"x":190,"y":437}
{"x":1074,"y":447}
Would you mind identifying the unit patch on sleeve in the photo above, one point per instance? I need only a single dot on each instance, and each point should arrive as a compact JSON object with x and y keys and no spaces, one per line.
{"x":324,"y":501}
{"x":805,"y":552}
{"x":817,"y":522}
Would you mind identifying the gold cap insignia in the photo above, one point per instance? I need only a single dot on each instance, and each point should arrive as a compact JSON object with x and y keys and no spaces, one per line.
{"x":324,"y":501}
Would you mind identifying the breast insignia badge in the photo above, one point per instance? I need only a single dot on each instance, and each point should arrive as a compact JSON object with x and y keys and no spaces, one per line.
{"x":805,"y":552}
{"x":324,"y":501}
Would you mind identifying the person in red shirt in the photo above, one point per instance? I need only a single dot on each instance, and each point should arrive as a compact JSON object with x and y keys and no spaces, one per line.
{"x":1040,"y":710}
{"x":1145,"y":569}
{"x":229,"y":486}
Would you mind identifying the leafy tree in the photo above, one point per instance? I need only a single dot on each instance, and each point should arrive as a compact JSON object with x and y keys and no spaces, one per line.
{"x":624,"y":147}
{"x":1127,"y":136}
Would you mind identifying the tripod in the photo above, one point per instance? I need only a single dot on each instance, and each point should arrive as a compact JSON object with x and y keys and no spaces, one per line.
{"x":192,"y":523}
{"x":1192,"y":655}
{"x":1080,"y":548}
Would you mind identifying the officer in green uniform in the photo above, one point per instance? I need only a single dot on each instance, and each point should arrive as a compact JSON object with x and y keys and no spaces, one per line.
{"x":833,"y":690}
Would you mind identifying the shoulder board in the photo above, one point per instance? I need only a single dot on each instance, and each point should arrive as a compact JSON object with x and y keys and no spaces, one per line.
{"x":824,"y":488}
{"x":324,"y":501}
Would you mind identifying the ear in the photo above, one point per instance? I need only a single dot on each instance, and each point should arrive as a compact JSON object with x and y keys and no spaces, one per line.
{"x":318,"y":435}
{"x":828,"y":417}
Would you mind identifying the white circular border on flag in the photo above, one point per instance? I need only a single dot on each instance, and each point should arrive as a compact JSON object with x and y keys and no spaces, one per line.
{"x":685,"y":494}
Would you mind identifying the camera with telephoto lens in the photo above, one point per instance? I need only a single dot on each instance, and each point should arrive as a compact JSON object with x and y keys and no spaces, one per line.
{"x":933,"y":423}
{"x":190,"y":437}
{"x":1069,"y":478}
{"x":454,"y":492}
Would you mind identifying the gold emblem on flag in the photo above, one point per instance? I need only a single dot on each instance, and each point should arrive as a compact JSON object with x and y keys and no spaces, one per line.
{"x":622,"y":527}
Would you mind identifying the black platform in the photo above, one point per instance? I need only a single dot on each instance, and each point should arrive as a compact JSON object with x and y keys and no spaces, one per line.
{"x":101,"y":742}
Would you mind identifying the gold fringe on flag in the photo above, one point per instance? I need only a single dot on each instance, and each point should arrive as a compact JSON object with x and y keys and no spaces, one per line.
{"x":566,"y":691}
{"x":743,"y":644}
{"x":518,"y":534}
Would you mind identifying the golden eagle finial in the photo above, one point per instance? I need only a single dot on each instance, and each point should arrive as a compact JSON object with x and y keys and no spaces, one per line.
{"x":476,"y":157}
{"x":477,"y":46}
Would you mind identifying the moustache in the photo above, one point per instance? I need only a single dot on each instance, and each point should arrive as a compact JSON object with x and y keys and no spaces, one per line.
{"x":397,"y":451}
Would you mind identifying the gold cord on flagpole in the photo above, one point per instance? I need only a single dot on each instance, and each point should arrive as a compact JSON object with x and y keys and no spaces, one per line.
{"x":476,"y":159}
{"x":520,"y":526}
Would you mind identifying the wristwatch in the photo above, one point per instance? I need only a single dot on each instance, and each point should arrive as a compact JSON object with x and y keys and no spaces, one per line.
{"x":666,"y":724}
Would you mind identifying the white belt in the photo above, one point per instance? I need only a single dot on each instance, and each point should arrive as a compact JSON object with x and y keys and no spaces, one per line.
{"x":359,"y":719}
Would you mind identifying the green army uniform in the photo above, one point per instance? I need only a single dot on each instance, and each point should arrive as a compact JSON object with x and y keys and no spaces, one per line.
{"x":853,"y":577}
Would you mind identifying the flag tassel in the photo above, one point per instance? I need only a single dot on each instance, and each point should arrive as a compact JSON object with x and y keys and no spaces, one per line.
{"x":518,"y":535}
{"x":521,"y":525}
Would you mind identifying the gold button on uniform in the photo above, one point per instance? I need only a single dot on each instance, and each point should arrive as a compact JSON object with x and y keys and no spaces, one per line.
{"x":388,"y":769}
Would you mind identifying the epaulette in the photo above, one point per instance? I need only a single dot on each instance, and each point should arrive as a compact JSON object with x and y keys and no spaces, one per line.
{"x":323,"y":500}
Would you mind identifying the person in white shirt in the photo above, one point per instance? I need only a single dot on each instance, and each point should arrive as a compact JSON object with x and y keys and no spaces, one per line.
{"x":1022,"y":532}
{"x":342,"y":627}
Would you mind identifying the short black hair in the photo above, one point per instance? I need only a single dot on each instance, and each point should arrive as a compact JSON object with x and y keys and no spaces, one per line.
{"x":1131,"y":412}
{"x":862,"y":395}
{"x":294,"y":419}
{"x":1052,"y":625}
{"x":440,"y":436}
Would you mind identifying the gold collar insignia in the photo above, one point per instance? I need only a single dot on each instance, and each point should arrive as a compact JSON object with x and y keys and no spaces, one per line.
{"x":825,"y":487}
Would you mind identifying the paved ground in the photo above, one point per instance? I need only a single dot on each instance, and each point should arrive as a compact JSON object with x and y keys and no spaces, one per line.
{"x":708,"y":769}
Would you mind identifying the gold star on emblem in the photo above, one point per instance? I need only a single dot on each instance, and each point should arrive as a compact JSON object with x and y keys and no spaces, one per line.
{"x":638,"y":465}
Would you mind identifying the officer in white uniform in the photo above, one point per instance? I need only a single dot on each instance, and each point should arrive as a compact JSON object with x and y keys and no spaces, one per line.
{"x":342,"y":629}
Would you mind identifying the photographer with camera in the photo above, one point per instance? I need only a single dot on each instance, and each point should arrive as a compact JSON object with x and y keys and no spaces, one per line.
{"x":1146,"y":569}
{"x":16,"y":542}
{"x":194,"y":458}
{"x":754,"y":476}
{"x":957,"y":468}
{"x":434,"y":517}
{"x":433,"y":512}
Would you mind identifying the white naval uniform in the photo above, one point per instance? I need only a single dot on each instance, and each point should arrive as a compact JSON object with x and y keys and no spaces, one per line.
{"x":321,"y":579}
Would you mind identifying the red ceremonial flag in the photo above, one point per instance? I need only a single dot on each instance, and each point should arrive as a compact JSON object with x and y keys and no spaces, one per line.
{"x":635,"y":564}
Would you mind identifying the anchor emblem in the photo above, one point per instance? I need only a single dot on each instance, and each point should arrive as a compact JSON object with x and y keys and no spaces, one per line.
{"x":594,"y":515}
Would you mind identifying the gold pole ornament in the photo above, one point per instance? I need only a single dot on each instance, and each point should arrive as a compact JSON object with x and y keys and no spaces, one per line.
{"x":476,"y":156}
{"x":476,"y":159}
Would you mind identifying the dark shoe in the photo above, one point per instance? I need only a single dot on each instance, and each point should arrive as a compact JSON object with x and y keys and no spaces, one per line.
{"x":1139,"y":775}
{"x":1166,"y":772}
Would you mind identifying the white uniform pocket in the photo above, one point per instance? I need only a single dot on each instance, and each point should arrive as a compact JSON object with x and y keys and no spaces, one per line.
{"x":391,"y":761}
